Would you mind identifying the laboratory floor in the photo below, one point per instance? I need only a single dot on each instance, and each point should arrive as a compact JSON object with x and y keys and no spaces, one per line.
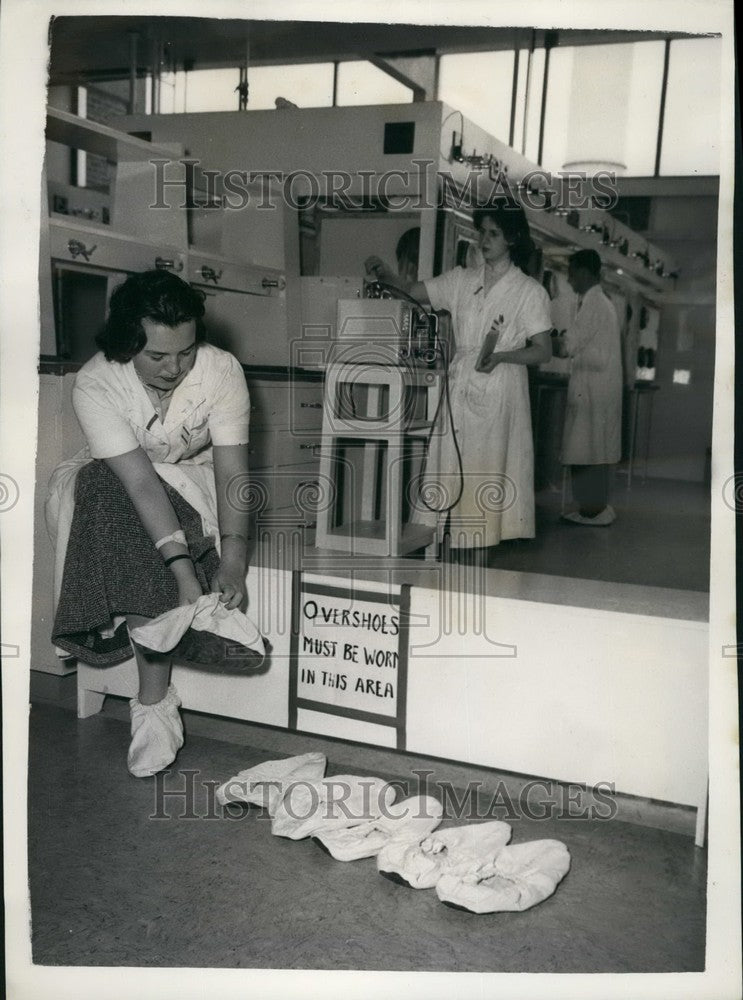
{"x":114,"y":885}
{"x":659,"y":539}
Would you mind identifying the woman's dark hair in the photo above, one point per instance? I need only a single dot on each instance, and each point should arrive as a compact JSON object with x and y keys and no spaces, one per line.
{"x":408,"y":246}
{"x":160,"y":296}
{"x":587,"y":260}
{"x":509,"y":217}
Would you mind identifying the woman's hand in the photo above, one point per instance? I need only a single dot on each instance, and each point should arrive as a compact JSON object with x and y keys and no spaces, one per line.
{"x":491,"y":362}
{"x":561,"y":348}
{"x":376,"y":267}
{"x":229,"y":581}
{"x":189,"y":588}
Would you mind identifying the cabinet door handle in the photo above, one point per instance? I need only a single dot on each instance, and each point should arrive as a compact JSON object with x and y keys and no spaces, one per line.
{"x":310,"y":406}
{"x":309,"y":447}
{"x":168,"y":264}
{"x":78,"y":249}
{"x":278,"y":283}
{"x":209,"y":274}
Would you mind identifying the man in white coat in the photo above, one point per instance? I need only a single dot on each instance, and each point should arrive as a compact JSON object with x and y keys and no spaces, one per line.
{"x":592,"y":438}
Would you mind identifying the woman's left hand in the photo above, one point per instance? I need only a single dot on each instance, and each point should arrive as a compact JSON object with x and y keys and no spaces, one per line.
{"x":489,"y":364}
{"x":229,"y":582}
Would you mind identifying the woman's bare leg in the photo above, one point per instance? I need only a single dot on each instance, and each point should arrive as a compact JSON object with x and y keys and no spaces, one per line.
{"x":157,"y":729}
{"x":154,"y":671}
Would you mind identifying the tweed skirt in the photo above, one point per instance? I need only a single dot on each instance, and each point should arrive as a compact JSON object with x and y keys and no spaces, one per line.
{"x":112,"y":568}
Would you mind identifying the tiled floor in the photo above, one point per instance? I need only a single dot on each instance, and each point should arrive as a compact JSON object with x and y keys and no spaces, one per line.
{"x":112,"y":884}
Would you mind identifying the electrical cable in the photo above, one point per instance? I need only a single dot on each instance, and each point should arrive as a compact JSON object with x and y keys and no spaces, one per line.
{"x":444,"y":395}
{"x":438,"y":352}
{"x":447,"y":156}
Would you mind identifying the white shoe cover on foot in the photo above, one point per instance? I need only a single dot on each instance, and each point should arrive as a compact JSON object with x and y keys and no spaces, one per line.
{"x":265,"y":784}
{"x":518,"y":878}
{"x":157,"y":735}
{"x":309,"y":807}
{"x":456,"y":850}
{"x":406,"y":821}
{"x":601,"y":520}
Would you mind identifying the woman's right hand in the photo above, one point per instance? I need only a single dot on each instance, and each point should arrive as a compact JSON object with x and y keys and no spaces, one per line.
{"x":189,"y":588}
{"x":376,"y":267}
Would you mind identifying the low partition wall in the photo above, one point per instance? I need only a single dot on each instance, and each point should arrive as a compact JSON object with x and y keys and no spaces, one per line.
{"x":608,"y":694}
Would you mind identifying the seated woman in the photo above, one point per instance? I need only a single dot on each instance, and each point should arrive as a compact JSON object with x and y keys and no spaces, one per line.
{"x":148,"y":516}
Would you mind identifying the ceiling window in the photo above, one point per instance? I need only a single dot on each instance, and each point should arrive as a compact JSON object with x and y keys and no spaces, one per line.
{"x":644,"y":96}
{"x":518,"y":125}
{"x":557,"y":112}
{"x":533,"y":104}
{"x":691,"y":124}
{"x":308,"y":85}
{"x":479,"y":84}
{"x":200,"y":90}
{"x":363,"y":83}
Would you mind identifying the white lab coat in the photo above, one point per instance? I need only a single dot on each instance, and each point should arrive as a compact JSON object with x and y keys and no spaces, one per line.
{"x":593,"y":419}
{"x":491,"y":411}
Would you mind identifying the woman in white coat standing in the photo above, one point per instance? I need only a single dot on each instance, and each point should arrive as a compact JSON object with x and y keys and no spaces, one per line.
{"x":592,"y":438}
{"x":493,"y":499}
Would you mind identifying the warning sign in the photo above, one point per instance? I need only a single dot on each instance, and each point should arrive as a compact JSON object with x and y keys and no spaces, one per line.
{"x":350,"y":653}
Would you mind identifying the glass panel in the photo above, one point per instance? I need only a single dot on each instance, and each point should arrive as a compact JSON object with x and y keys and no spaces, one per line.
{"x":518,"y":132}
{"x":479,"y":85}
{"x":557,"y":115}
{"x":691,"y":126}
{"x":644,"y":108}
{"x":210,"y":90}
{"x":362,"y":83}
{"x":534,"y":105}
{"x":577,"y":127}
{"x":169,"y":92}
{"x":80,"y":300}
{"x":308,"y":85}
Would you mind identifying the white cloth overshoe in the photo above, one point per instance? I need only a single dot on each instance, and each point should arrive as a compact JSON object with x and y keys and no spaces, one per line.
{"x":406,"y":821}
{"x":157,"y":735}
{"x":456,"y":850}
{"x":518,"y":878}
{"x":265,"y":784}
{"x":309,"y":807}
{"x":206,"y":614}
{"x":602,"y":520}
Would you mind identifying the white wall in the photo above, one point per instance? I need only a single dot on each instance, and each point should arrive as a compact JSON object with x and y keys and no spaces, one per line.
{"x":590,"y":696}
